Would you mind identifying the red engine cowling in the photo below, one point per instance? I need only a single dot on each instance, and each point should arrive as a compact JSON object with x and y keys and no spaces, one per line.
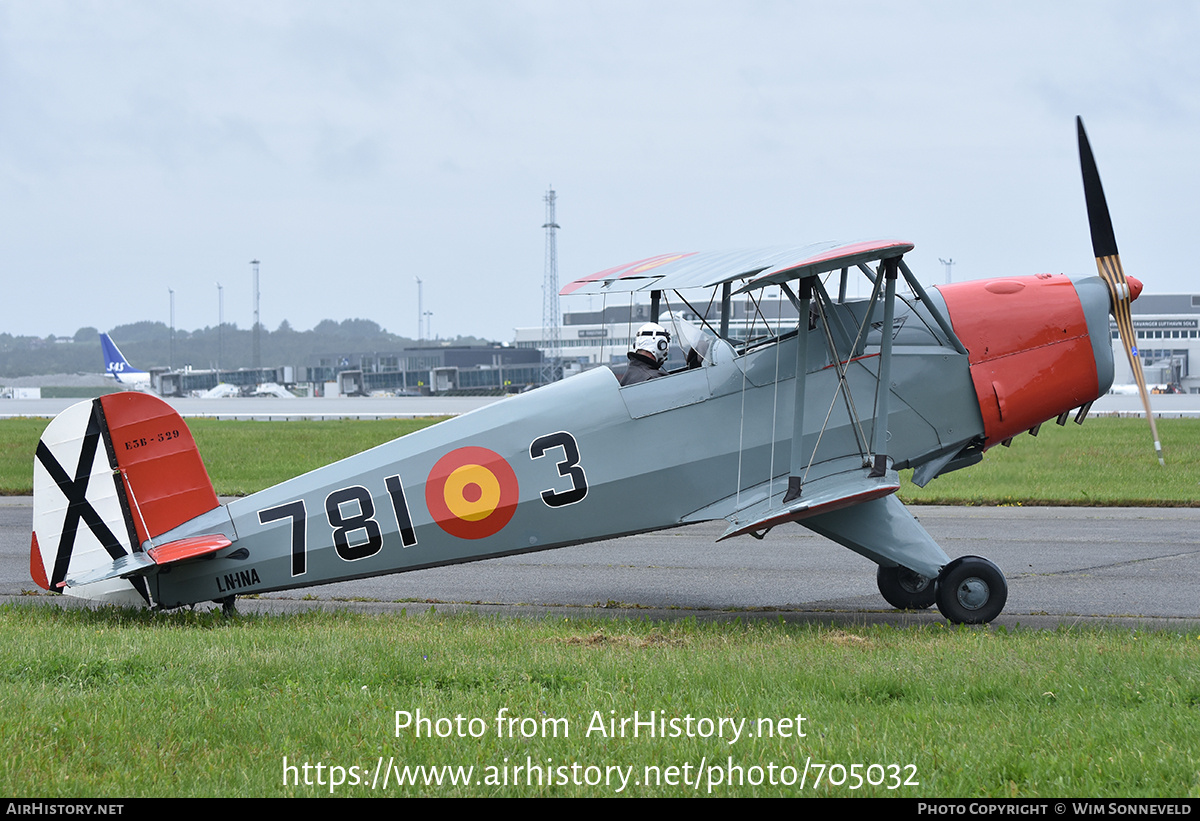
{"x":1030,"y":350}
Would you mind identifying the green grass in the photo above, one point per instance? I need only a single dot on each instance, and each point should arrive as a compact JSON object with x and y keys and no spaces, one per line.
{"x":75,"y":392}
{"x":241,"y":456}
{"x":18,"y":441}
{"x":285,"y":449}
{"x":1103,"y":462}
{"x":114,"y":703}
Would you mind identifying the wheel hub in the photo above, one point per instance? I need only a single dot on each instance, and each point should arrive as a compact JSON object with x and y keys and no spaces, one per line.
{"x":973,"y":593}
{"x":912,"y":582}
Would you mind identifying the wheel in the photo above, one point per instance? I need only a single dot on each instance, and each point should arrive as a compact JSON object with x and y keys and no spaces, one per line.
{"x":905,"y":589}
{"x":971,"y":590}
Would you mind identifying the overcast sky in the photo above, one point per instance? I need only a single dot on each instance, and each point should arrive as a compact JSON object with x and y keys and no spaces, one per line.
{"x":354,"y":146}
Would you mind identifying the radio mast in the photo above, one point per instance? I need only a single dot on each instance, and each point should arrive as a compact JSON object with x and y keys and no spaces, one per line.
{"x":551,"y":318}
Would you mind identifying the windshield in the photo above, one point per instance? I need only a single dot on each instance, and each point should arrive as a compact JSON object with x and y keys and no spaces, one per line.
{"x":691,"y":337}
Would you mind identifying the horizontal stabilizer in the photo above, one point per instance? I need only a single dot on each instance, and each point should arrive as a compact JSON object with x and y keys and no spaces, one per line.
{"x":190,"y":548}
{"x":830,"y":492}
{"x":130,"y":564}
{"x":141,"y":563}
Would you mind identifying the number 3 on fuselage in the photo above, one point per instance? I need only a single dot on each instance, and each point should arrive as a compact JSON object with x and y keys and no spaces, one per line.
{"x":569,"y":466}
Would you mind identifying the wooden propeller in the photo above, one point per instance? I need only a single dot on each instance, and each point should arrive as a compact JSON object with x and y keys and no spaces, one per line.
{"x":1108,"y":261}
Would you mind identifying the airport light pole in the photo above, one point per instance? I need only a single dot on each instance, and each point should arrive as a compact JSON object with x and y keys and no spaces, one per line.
{"x":257,"y":323}
{"x":420,"y":315}
{"x":220,"y":327}
{"x":949,"y":263}
{"x":171,"y":355}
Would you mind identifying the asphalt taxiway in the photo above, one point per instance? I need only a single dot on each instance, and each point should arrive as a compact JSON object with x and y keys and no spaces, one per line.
{"x":1124,"y":567}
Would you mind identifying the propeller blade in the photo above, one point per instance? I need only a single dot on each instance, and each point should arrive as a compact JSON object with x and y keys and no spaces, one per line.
{"x":1108,"y":261}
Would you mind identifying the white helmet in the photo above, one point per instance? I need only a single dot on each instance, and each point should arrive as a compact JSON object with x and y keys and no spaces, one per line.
{"x":654,"y":340}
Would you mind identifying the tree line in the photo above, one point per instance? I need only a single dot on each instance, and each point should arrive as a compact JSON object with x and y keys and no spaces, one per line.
{"x":150,"y":345}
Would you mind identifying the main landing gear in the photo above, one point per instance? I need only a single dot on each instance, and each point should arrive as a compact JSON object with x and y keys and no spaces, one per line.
{"x":906,"y":589}
{"x":969,"y":590}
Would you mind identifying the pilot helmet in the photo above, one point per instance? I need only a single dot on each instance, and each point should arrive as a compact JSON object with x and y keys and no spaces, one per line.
{"x":654,"y":340}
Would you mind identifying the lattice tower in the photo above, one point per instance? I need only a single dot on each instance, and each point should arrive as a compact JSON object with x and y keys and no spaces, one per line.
{"x":551,"y":316}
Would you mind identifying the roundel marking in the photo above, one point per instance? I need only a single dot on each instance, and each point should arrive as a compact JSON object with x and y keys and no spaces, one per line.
{"x":472,"y":493}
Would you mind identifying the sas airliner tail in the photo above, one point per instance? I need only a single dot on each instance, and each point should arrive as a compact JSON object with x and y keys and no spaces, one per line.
{"x":119,"y":369}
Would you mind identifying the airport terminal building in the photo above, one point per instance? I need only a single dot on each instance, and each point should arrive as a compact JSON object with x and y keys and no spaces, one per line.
{"x":1168,"y":335}
{"x":432,"y":369}
{"x":591,"y":338}
{"x":467,"y":370}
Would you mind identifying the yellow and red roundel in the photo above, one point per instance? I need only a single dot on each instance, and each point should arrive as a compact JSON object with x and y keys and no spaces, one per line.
{"x":471,"y":493}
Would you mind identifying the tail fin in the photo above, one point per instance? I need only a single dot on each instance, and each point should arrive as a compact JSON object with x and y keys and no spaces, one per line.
{"x":115,"y":364}
{"x":111,"y":474}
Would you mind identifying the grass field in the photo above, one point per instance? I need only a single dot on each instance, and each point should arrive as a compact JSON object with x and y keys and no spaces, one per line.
{"x":242,"y":457}
{"x":117,"y":704}
{"x":1103,"y":462}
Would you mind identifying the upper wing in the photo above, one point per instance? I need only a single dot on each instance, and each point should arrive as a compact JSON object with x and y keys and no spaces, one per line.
{"x":698,"y":269}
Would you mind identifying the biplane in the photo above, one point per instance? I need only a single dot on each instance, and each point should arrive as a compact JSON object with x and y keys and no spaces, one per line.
{"x":807,"y":421}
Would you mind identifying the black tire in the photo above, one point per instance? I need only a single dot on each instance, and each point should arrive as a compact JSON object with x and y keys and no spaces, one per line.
{"x":905,"y":589}
{"x":971,"y":590}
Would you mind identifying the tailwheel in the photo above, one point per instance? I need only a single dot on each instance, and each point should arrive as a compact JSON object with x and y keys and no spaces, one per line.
{"x":905,"y":589}
{"x":971,"y":590}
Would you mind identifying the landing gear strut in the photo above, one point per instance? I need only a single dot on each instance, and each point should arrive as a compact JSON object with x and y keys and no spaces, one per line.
{"x":971,"y":590}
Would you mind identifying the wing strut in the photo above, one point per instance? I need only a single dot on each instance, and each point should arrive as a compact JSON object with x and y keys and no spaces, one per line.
{"x":850,"y":480}
{"x":803,"y":301}
{"x":794,"y":480}
{"x":884,"y":393}
{"x":946,"y":327}
{"x":860,"y":437}
{"x":860,"y":338}
{"x":824,"y":317}
{"x":725,"y":287}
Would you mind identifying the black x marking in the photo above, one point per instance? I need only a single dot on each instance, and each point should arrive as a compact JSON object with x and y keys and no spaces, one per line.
{"x":78,"y":507}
